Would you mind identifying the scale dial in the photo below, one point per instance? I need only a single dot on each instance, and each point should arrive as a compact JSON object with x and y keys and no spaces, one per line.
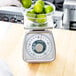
{"x":38,"y":46}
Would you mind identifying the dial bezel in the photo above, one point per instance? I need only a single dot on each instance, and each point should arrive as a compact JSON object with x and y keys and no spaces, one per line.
{"x":35,"y":37}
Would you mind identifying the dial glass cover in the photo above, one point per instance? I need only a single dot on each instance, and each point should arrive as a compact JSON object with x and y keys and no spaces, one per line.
{"x":38,"y":45}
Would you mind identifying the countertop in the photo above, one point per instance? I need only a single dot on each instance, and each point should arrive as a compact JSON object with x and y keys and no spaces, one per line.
{"x":64,"y":65}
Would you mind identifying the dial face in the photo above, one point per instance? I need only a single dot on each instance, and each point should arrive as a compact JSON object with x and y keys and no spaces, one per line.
{"x":38,"y":45}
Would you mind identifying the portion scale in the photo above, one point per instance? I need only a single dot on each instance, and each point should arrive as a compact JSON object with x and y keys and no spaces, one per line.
{"x":39,"y":45}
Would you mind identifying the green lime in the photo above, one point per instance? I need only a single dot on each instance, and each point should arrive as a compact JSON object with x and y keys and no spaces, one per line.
{"x":48,"y":9}
{"x":41,"y":2}
{"x":26,"y":3}
{"x":41,"y":18}
{"x":38,"y":8}
{"x":31,"y":15}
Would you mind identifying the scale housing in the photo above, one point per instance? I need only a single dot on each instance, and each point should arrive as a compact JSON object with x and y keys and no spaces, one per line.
{"x":41,"y":38}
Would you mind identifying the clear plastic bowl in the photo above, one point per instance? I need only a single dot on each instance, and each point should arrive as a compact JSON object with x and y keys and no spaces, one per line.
{"x":31,"y":22}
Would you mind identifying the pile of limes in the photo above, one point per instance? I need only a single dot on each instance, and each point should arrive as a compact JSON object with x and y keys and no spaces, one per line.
{"x":39,"y":10}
